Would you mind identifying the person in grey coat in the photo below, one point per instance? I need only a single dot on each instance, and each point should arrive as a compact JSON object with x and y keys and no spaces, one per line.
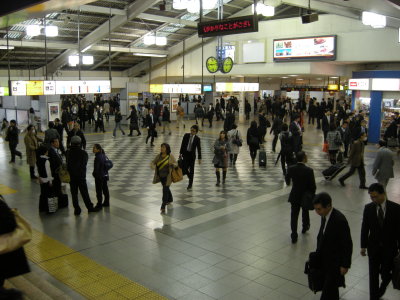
{"x":220,"y":160}
{"x":383,"y":164}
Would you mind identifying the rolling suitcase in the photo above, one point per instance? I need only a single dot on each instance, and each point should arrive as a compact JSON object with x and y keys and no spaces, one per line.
{"x":262,"y":158}
{"x":333,"y":171}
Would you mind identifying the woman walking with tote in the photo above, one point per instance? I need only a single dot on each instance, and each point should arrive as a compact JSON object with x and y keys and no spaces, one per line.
{"x":220,"y":160}
{"x":100,"y":174}
{"x":163,"y":164}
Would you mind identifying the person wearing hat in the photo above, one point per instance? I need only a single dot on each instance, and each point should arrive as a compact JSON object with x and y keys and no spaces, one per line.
{"x":77,"y":160}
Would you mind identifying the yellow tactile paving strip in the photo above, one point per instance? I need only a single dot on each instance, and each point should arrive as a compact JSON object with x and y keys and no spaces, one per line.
{"x":5,"y":190}
{"x":81,"y":273}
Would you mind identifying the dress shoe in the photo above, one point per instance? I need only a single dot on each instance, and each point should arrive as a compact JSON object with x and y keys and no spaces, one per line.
{"x":341,"y":182}
{"x":11,"y":162}
{"x":34,"y":177}
{"x":305,"y":229}
{"x":162,"y":210}
{"x":77,"y":211}
{"x":363,"y":187}
{"x":189,"y":187}
{"x":106,"y":204}
{"x":294,"y":239}
{"x":98,"y":206}
{"x":129,"y":134}
{"x":152,"y":145}
{"x":139,"y":134}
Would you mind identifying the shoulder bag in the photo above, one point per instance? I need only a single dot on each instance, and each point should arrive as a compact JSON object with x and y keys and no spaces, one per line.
{"x":176,"y":174}
{"x":16,"y":239}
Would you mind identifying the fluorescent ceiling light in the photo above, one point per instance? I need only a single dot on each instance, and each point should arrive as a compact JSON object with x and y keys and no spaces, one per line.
{"x":209,"y":4}
{"x":194,"y":7}
{"x":299,"y":79}
{"x":150,"y":54}
{"x":149,"y":40}
{"x":373,"y":19}
{"x":284,"y":77}
{"x":51,"y":31}
{"x":161,"y":40}
{"x":265,"y":10}
{"x":87,"y":59}
{"x":334,"y":77}
{"x":4,"y":47}
{"x":180,"y":4}
{"x":33,"y":30}
{"x":73,"y":60}
{"x":86,"y":48}
{"x":293,"y":75}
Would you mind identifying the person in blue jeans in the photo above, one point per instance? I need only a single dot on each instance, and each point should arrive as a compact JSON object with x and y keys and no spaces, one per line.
{"x":118,"y":119}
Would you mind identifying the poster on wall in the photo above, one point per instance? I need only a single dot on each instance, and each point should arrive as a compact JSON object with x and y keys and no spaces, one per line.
{"x":308,"y":48}
{"x":54,"y":111}
{"x":174,"y":104}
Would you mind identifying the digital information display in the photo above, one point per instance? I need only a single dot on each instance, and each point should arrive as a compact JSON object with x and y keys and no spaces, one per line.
{"x":228,"y":26}
{"x":237,"y":87}
{"x":308,"y":48}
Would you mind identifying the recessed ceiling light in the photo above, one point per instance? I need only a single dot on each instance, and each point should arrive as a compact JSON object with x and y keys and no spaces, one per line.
{"x":299,"y":79}
{"x":334,"y":77}
{"x":293,"y":75}
{"x":284,"y":77}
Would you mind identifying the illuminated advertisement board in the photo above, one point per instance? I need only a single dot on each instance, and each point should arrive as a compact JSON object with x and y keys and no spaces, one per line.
{"x":359,"y":84}
{"x":18,"y":88}
{"x":4,"y":91}
{"x":237,"y":87}
{"x":386,"y":84}
{"x":308,"y":48}
{"x":67,"y":87}
{"x":34,"y":88}
{"x":175,"y":88}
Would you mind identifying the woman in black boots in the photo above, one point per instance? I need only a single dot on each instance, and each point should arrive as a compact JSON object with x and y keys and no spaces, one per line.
{"x":220,"y":160}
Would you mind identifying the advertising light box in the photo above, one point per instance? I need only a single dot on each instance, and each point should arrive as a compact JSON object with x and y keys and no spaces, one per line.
{"x":308,"y":48}
{"x":34,"y":88}
{"x":67,"y":87}
{"x":359,"y":84}
{"x":4,"y":91}
{"x":237,"y":87}
{"x":175,"y":88}
{"x":386,"y":84}
{"x":49,"y":87}
{"x":18,"y":88}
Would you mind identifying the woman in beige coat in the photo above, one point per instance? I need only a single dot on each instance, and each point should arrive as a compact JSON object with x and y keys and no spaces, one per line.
{"x":31,"y":145}
{"x":163,"y":164}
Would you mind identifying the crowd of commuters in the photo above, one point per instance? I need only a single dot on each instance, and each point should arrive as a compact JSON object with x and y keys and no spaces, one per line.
{"x":344,"y":136}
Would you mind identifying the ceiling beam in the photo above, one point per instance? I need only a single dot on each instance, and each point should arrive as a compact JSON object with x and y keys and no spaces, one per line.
{"x":163,"y":19}
{"x":133,"y":10}
{"x":101,"y":10}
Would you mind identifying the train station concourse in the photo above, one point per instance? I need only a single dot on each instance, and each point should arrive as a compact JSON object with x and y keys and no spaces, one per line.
{"x":200,"y":149}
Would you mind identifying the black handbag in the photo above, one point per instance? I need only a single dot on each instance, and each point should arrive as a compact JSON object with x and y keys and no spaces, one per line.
{"x":307,"y":201}
{"x":313,"y":270}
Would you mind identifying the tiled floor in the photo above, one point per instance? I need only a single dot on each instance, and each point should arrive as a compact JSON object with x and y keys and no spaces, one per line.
{"x":228,"y":242}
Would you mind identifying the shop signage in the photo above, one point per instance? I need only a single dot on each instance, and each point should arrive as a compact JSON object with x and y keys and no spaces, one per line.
{"x":228,"y":26}
{"x":359,"y":84}
{"x":4,"y":91}
{"x":237,"y":87}
{"x":308,"y":48}
{"x":386,"y":84}
{"x":333,"y":87}
{"x":175,"y":88}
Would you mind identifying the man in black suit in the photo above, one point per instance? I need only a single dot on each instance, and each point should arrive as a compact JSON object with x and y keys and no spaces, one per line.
{"x":151,"y":126}
{"x":303,"y":186}
{"x":334,"y":246}
{"x":190,"y":143}
{"x":380,"y":236}
{"x":326,"y":123}
{"x":56,"y":161}
{"x":295,"y":129}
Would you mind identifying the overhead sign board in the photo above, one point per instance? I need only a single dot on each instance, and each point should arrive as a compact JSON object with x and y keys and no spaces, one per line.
{"x":386,"y":84}
{"x":333,"y":87}
{"x":49,"y":87}
{"x":307,"y":48}
{"x":228,"y":26}
{"x":18,"y":88}
{"x":359,"y":84}
{"x":237,"y":87}
{"x":34,"y":88}
{"x":175,"y":88}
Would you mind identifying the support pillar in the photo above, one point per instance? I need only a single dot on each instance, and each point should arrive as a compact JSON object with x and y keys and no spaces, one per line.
{"x":374,"y":126}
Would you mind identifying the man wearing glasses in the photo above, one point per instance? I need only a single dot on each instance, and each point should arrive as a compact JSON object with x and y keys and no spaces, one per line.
{"x":190,"y":143}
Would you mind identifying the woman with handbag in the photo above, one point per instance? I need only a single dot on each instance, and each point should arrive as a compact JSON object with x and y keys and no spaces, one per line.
{"x":253,"y":140}
{"x":100,"y":174}
{"x":163,"y":164}
{"x":235,"y":140}
{"x":13,"y":261}
{"x":220,"y":160}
